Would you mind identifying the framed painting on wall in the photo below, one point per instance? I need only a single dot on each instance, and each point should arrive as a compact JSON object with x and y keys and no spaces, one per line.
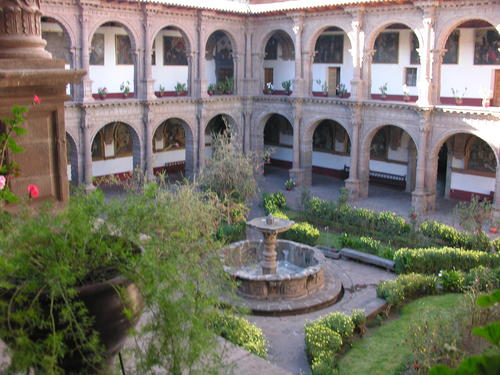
{"x":486,"y":47}
{"x":97,"y":50}
{"x":271,"y":52}
{"x":386,"y":48}
{"x":329,"y":49}
{"x":123,"y":50}
{"x":451,"y":46}
{"x":174,"y":51}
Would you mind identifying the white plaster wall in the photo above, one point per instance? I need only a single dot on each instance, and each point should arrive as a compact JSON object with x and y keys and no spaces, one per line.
{"x":112,"y":166}
{"x":69,"y":172}
{"x":283,"y":70}
{"x":386,"y":167}
{"x":320,"y":71}
{"x":111,"y":75}
{"x":394,"y":74}
{"x":401,"y":153}
{"x":161,"y":158}
{"x":331,"y":161}
{"x":283,"y":153}
{"x":472,"y":183}
{"x":167,"y":75}
{"x":465,"y":73}
{"x":210,"y":71}
{"x":286,"y":139}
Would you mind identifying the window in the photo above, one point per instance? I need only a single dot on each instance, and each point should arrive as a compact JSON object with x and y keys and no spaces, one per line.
{"x":411,"y":76}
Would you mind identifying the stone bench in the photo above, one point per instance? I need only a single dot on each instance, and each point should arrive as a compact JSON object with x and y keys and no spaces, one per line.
{"x":367,"y":258}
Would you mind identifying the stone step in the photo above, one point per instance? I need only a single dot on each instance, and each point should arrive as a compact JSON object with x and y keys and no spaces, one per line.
{"x":367,"y":258}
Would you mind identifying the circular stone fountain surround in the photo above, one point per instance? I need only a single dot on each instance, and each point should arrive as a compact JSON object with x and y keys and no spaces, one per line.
{"x":279,"y":277}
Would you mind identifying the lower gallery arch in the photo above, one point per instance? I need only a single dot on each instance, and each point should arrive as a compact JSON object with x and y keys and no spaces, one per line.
{"x":328,"y":149}
{"x":72,"y":159}
{"x":463,"y":165}
{"x":218,"y":125}
{"x":173,"y":147}
{"x":388,"y":157}
{"x":278,"y":142}
{"x":116,"y":151}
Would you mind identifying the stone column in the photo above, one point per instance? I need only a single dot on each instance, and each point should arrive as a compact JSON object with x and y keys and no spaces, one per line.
{"x":193,"y":68}
{"x":249,"y":77}
{"x":258,"y":63}
{"x":496,"y":198}
{"x":147,"y":91}
{"x":425,"y":84}
{"x":148,"y":140}
{"x":411,"y":168}
{"x":353,"y":183}
{"x":201,"y":140}
{"x":202,"y":76}
{"x":308,"y":60}
{"x":239,"y":62}
{"x":437,"y":61}
{"x":87,"y":151}
{"x":357,"y":40}
{"x":86,"y":91}
{"x":138,"y":59}
{"x":420,"y":196}
{"x":302,"y":176}
{"x":298,"y":27}
{"x":366,"y":73}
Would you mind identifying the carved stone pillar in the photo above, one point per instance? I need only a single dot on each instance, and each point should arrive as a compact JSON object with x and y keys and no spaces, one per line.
{"x":138,"y":59}
{"x":86,"y":87}
{"x":420,"y":197}
{"x":496,"y":198}
{"x":307,"y":62}
{"x":366,"y":73}
{"x":238,"y":61}
{"x":193,"y":68}
{"x":258,"y":63}
{"x":26,"y":69}
{"x":300,"y":175}
{"x":298,"y":27}
{"x":147,"y":80}
{"x":425,"y":84}
{"x":437,"y":62}
{"x":87,"y":152}
{"x":202,"y":75}
{"x":357,"y":40}
{"x":353,"y":183}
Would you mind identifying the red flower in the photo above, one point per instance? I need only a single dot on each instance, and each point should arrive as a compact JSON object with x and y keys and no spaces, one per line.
{"x":36,"y":99}
{"x":33,"y":191}
{"x":413,"y":216}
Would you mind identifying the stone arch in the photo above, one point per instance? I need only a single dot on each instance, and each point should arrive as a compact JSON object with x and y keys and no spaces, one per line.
{"x":225,"y":65}
{"x":449,"y":26}
{"x":311,"y":42}
{"x":365,"y":155}
{"x":432,"y":163}
{"x":67,"y":29}
{"x":186,"y":36}
{"x":262,"y":120}
{"x":124,"y":22}
{"x":189,"y":143}
{"x":72,"y":156}
{"x":136,"y":149}
{"x":279,"y":135}
{"x":282,"y":34}
{"x":229,"y":34}
{"x":374,"y":33}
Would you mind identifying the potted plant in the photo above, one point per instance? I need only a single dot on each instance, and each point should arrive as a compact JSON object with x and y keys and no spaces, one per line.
{"x":162,"y":91}
{"x":287,"y":86}
{"x":383,"y":91}
{"x":486,"y":95}
{"x":406,"y":93}
{"x":458,"y":97}
{"x":102,"y":92}
{"x":211,"y":89}
{"x":72,"y":284}
{"x":341,"y":90}
{"x":229,"y":86}
{"x":289,"y":184}
{"x":268,"y":89}
{"x":267,"y":155}
{"x":180,"y":88}
{"x":220,"y":88}
{"x":125,"y":88}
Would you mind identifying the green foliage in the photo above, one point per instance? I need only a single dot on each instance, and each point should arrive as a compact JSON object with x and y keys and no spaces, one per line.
{"x":474,"y":214}
{"x":303,"y":233}
{"x":482,"y":278}
{"x":273,"y":202}
{"x":405,"y":287}
{"x":340,"y":323}
{"x":452,"y":281}
{"x":228,"y":233}
{"x":240,"y":332}
{"x":368,"y":245}
{"x":48,"y":256}
{"x":448,"y":235}
{"x":358,"y":317}
{"x":433,"y":260}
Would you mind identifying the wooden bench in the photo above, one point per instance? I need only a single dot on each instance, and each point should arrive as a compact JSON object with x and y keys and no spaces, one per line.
{"x":367,"y":258}
{"x":384,"y":178}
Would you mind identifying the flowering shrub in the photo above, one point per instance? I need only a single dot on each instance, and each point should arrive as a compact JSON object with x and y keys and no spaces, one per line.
{"x":404,"y":287}
{"x":273,"y":202}
{"x":302,"y":232}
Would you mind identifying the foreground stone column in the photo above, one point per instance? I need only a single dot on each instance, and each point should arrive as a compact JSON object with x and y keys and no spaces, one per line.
{"x":420,"y":198}
{"x":352,"y":184}
{"x":357,"y":37}
{"x":496,"y":199}
{"x":26,"y":69}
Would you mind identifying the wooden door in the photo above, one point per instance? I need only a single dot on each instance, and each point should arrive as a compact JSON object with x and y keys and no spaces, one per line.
{"x":268,"y":75}
{"x":496,"y":89}
{"x":332,"y":81}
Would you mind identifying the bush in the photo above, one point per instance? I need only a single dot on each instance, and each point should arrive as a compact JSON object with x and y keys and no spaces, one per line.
{"x":433,"y":260}
{"x":358,"y":318}
{"x":240,"y":332}
{"x":303,"y":233}
{"x":340,"y":323}
{"x":404,"y":287}
{"x":322,"y":209}
{"x":368,"y":245}
{"x":483,"y":278}
{"x":228,"y":233}
{"x":320,"y":338}
{"x":448,"y":235}
{"x":451,"y":281}
{"x":273,"y":202}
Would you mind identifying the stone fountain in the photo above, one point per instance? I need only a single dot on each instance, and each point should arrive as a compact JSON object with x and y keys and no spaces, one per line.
{"x":272,"y":271}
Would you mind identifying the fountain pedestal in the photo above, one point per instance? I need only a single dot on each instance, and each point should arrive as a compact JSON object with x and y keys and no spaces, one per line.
{"x":269,"y":264}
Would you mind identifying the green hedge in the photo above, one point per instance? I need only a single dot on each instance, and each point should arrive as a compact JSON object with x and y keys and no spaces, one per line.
{"x":273,"y":202}
{"x":405,"y":287}
{"x":240,"y":332}
{"x":228,"y":233}
{"x":451,"y":237}
{"x":303,"y":233}
{"x":367,"y":245}
{"x":433,"y":260}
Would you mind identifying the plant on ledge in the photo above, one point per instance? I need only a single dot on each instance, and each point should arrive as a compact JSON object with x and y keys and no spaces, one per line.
{"x":211,"y":89}
{"x":406,"y":93}
{"x":268,"y":89}
{"x":125,"y":88}
{"x":180,"y":88}
{"x":341,"y":90}
{"x":229,"y":86}
{"x":459,"y":98}
{"x":287,"y":86}
{"x":220,"y":87}
{"x":102,"y":92}
{"x":383,"y":90}
{"x":162,"y":91}
{"x":289,"y":184}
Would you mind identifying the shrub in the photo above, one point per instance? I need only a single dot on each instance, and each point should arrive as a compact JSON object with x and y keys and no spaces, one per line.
{"x":303,"y":233}
{"x":321,"y":208}
{"x":433,"y":260}
{"x":320,"y":338}
{"x":368,"y":245}
{"x":240,"y":332}
{"x":358,"y":318}
{"x":273,"y":202}
{"x":451,"y":281}
{"x":228,"y":233}
{"x":405,"y":287}
{"x":449,"y":235}
{"x":340,"y":323}
{"x":483,"y":278}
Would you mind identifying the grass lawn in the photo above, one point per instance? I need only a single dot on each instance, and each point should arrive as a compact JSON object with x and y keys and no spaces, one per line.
{"x":383,"y":349}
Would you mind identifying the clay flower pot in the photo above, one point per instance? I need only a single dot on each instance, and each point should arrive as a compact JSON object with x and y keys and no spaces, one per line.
{"x":486,"y":103}
{"x":493,"y":230}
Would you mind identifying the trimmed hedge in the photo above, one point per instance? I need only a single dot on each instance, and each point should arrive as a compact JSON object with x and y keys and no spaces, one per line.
{"x":240,"y":332}
{"x":228,"y":233}
{"x":450,"y":236}
{"x":273,"y":202}
{"x":367,"y":245}
{"x":299,"y":232}
{"x":433,"y":260}
{"x":404,"y":287}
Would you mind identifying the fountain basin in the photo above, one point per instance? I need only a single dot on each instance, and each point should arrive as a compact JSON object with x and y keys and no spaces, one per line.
{"x":301,"y":276}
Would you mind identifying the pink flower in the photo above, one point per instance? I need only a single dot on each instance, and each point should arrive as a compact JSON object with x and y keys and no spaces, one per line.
{"x":36,"y":99}
{"x":2,"y":182}
{"x":33,"y":191}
